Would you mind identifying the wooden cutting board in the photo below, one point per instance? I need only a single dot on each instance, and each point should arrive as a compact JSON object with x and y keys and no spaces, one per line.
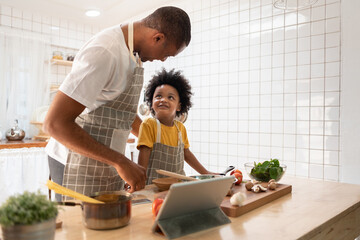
{"x":253,"y":200}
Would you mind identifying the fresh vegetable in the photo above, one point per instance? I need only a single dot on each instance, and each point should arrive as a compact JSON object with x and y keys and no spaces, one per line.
{"x":156,"y":205}
{"x":238,"y":199}
{"x":238,"y":177}
{"x":234,"y":171}
{"x":26,"y":209}
{"x":267,"y":170}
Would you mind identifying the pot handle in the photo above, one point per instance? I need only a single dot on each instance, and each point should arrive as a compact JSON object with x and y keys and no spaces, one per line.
{"x":68,"y":204}
{"x":228,"y":169}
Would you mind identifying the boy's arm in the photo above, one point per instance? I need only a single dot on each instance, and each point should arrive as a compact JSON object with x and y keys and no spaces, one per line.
{"x":144,"y":155}
{"x":194,"y":163}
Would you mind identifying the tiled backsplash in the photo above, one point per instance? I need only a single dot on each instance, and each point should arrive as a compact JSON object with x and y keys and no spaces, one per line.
{"x":62,"y":34}
{"x":266,"y":85}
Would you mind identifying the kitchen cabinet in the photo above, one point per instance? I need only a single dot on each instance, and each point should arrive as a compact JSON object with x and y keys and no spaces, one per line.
{"x":315,"y":209}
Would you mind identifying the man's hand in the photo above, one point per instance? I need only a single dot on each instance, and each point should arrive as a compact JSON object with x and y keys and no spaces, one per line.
{"x":133,"y":174}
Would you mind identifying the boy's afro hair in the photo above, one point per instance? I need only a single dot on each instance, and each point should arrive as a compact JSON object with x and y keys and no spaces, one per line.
{"x":174,"y":79}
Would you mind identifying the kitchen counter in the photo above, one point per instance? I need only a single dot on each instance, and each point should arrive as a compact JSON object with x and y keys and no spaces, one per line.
{"x":314,"y":210}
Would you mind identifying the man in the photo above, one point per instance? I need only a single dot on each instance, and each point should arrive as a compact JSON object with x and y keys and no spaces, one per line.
{"x":91,"y":116}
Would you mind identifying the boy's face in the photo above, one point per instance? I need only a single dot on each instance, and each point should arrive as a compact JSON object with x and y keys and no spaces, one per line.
{"x":166,"y":102}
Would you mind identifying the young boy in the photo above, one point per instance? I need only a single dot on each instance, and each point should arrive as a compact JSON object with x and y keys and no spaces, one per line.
{"x":163,"y":142}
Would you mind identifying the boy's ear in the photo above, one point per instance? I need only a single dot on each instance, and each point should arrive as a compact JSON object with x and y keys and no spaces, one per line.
{"x":178,"y":107}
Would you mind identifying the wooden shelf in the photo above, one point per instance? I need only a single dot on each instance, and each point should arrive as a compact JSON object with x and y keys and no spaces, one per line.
{"x":22,"y":144}
{"x":61,"y":62}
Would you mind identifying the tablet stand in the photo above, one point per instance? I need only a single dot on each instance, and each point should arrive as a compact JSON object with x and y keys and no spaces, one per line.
{"x":179,"y":226}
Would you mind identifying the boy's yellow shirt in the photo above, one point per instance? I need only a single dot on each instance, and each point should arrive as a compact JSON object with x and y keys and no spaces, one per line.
{"x":169,"y":135}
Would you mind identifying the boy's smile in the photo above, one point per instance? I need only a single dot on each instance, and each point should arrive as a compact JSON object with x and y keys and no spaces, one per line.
{"x":166,"y":102}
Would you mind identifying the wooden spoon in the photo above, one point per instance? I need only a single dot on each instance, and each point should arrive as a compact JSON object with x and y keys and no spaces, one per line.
{"x":175,"y":175}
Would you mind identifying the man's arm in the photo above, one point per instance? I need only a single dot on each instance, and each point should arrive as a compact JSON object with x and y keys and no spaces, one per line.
{"x":60,"y":124}
{"x":136,"y":125}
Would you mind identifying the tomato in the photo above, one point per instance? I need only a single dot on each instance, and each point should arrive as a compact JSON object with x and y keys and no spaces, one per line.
{"x":238,"y":177}
{"x":156,"y":205}
{"x":234,"y":171}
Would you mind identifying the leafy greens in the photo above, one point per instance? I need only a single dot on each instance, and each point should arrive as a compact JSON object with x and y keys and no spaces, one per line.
{"x":267,"y":170}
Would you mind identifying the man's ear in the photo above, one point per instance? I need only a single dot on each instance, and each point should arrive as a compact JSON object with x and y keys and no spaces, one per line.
{"x":159,"y":37}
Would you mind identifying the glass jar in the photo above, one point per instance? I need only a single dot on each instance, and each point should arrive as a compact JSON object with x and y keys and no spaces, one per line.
{"x":57,"y":55}
{"x":70,"y":56}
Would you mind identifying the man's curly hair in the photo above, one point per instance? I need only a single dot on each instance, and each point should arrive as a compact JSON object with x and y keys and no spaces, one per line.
{"x":174,"y":79}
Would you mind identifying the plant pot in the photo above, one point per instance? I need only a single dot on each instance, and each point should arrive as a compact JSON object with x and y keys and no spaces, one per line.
{"x":38,"y":231}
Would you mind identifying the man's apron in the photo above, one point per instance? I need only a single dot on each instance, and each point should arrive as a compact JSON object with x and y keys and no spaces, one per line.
{"x":109,"y":124}
{"x":165,"y":157}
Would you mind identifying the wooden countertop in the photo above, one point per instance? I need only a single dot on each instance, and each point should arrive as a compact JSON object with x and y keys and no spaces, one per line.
{"x":314,"y":210}
{"x":22,"y":144}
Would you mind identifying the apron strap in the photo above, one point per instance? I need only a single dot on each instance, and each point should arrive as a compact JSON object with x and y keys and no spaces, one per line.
{"x":158,"y":134}
{"x":179,"y":134}
{"x":131,"y":44}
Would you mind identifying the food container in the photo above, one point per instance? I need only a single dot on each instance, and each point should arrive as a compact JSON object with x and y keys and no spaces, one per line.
{"x":70,"y":56}
{"x":115,"y":213}
{"x":57,"y":55}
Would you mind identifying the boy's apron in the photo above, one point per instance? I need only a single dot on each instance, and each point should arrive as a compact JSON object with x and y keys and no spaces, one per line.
{"x":109,"y":124}
{"x":165,"y":157}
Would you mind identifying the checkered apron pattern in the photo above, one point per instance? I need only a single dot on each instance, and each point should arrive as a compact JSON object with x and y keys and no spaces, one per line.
{"x":165,"y":157}
{"x":86,"y":175}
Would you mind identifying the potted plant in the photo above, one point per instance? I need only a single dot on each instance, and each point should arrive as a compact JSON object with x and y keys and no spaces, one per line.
{"x":28,"y":216}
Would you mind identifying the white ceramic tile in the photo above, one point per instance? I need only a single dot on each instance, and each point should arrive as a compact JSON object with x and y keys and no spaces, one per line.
{"x":317,"y":56}
{"x":278,"y":47}
{"x":318,"y":27}
{"x":290,"y":59}
{"x":243,"y":138}
{"x":318,"y":13}
{"x":332,"y":113}
{"x":255,"y":26}
{"x":332,"y":128}
{"x":332,"y":54}
{"x":317,"y":113}
{"x":253,"y":151}
{"x":265,"y":114}
{"x":317,"y":84}
{"x":277,"y":113}
{"x":255,"y":13}
{"x":304,"y":16}
{"x":317,"y":99}
{"x":5,"y":10}
{"x":331,"y":173}
{"x":316,"y":127}
{"x":290,"y":45}
{"x":331,"y":157}
{"x":290,"y":72}
{"x":303,"y":71}
{"x":317,"y":41}
{"x":265,"y":152}
{"x":302,"y":127}
{"x":278,"y":21}
{"x":331,"y":143}
{"x":303,"y":99}
{"x":316,"y":156}
{"x":333,"y":39}
{"x":332,"y":25}
{"x":317,"y":142}
{"x":304,"y":30}
{"x":291,"y":32}
{"x":290,"y":140}
{"x":333,"y":10}
{"x":317,"y":70}
{"x":16,"y":23}
{"x":266,"y":62}
{"x":316,"y":171}
{"x":266,"y":10}
{"x":290,"y":18}
{"x":303,"y":44}
{"x":265,"y":126}
{"x":289,"y":155}
{"x":332,"y":99}
{"x":302,"y":169}
{"x":332,"y":69}
{"x":303,"y":113}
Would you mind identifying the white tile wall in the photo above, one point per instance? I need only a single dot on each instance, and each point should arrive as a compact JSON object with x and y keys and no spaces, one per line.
{"x":266,"y":84}
{"x":64,"y":35}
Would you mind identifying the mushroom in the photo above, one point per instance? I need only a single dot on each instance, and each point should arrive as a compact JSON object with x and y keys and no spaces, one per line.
{"x":256,"y":188}
{"x":238,"y":199}
{"x":249,"y":185}
{"x":272,"y":185}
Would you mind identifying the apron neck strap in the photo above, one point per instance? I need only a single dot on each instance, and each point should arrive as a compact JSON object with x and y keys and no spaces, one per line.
{"x":131,"y":44}
{"x":158,"y":132}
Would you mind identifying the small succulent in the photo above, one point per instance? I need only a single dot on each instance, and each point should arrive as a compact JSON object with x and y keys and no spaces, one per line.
{"x":26,"y":209}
